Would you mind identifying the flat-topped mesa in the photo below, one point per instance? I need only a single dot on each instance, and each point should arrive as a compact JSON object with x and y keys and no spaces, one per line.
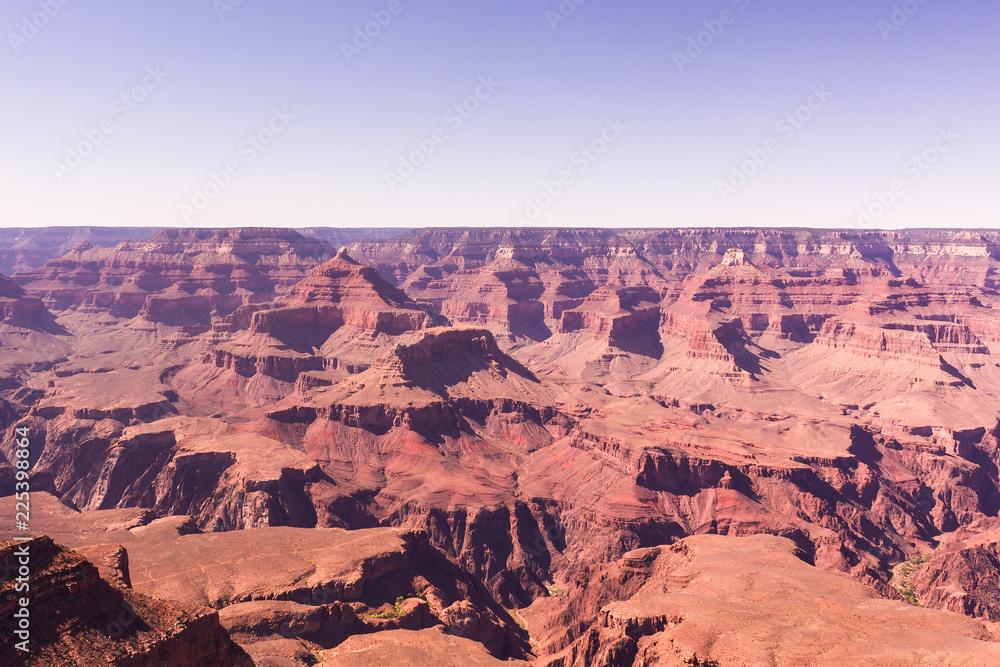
{"x":190,"y":274}
{"x":611,"y":331}
{"x":21,"y":311}
{"x":456,"y":347}
{"x":720,"y":342}
{"x":922,"y":342}
{"x":440,"y":365}
{"x":613,"y":312}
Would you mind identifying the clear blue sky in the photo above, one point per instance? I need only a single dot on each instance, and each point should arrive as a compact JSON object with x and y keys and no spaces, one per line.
{"x":669,"y":132}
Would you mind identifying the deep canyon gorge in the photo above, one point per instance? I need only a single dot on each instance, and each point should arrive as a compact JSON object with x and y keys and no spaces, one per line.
{"x":562,"y":447}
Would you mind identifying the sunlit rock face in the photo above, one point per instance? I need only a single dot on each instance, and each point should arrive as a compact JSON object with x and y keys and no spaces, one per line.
{"x":540,"y":410}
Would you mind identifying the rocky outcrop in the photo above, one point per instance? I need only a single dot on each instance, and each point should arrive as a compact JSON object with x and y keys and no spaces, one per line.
{"x":466,"y":351}
{"x":179,"y":309}
{"x":339,"y":317}
{"x":888,"y":342}
{"x":21,"y":311}
{"x":332,"y":584}
{"x":733,"y":601}
{"x":264,"y":356}
{"x":963,"y":574}
{"x":426,"y":647}
{"x":111,"y":561}
{"x":628,"y":319}
{"x":344,"y":292}
{"x":225,"y":481}
{"x":964,"y":581}
{"x":77,"y":618}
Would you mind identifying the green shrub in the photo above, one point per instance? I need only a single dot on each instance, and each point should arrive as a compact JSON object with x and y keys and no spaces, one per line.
{"x":397,"y":609}
{"x":903,"y":574}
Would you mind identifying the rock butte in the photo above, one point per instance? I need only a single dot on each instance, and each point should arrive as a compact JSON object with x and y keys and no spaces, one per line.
{"x":644,"y":446}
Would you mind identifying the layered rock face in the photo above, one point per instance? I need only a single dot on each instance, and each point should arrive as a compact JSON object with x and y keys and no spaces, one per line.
{"x":18,"y":310}
{"x":30,"y":338}
{"x":961,"y":574}
{"x":863,"y":336}
{"x":342,"y":292}
{"x":532,"y":403}
{"x":713,"y":600}
{"x":177,"y":277}
{"x":436,"y":432}
{"x":340,"y":317}
{"x":77,"y":618}
{"x":27,"y":248}
{"x":281,"y":592}
{"x":517,"y":283}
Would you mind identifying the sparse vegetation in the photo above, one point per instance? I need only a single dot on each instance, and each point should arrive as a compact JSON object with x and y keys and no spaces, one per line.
{"x":902,"y":577}
{"x":517,"y":618}
{"x":397,"y":609}
{"x":695,"y":661}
